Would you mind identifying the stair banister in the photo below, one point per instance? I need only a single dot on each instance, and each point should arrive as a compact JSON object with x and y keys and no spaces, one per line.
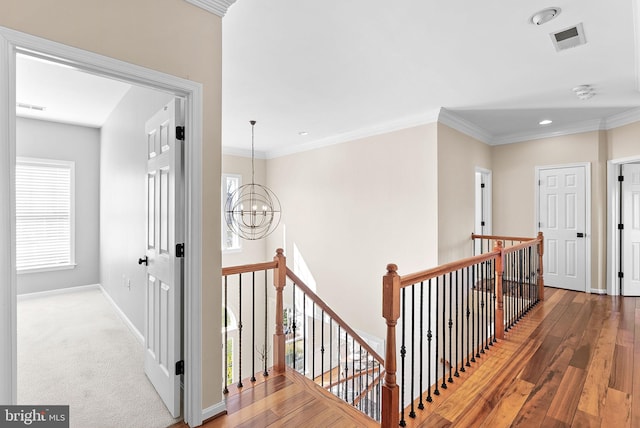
{"x":279,"y":282}
{"x":391,"y":313}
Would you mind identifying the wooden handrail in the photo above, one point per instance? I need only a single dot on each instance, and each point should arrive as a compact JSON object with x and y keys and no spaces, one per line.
{"x":255,"y":267}
{"x":364,"y":393}
{"x":318,"y":301}
{"x":500,"y":238}
{"x":521,"y":246}
{"x":414,"y":278}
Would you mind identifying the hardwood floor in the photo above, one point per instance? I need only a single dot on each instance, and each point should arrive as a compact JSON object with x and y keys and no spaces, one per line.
{"x":573,"y":361}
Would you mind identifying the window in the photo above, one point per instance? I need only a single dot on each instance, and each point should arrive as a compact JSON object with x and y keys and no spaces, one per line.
{"x":44,"y":214}
{"x":230,"y":240}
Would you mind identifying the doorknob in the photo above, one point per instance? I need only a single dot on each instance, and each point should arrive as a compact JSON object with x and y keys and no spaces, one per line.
{"x":580,"y":235}
{"x":144,"y":260}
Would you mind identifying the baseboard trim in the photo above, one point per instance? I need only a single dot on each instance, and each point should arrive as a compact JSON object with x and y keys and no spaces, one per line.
{"x":139,"y":336}
{"x":213,"y":411}
{"x":598,"y":291}
{"x":58,"y":291}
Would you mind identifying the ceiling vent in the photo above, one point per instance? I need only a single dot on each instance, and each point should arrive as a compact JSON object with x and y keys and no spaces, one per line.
{"x":568,"y":38}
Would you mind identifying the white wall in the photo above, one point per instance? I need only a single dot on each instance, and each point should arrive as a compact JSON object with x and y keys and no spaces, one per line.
{"x":122,"y":208}
{"x":49,"y":140}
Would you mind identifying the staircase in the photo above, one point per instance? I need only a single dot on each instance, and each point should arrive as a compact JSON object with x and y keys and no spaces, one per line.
{"x":443,"y":319}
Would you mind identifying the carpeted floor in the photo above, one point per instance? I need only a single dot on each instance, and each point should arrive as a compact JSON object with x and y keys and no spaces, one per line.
{"x":74,"y":350}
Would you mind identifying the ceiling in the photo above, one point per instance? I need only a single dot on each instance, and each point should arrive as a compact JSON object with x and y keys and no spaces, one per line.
{"x":313,"y":73}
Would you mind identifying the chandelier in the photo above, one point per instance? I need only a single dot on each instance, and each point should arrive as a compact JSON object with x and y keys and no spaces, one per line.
{"x":252,"y":211}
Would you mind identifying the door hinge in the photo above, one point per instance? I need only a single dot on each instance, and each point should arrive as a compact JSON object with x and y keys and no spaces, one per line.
{"x":621,"y":226}
{"x":180,"y":133}
{"x":180,"y":367}
{"x":620,"y":274}
{"x":482,"y":185}
{"x":482,"y":223}
{"x":539,"y":182}
{"x":179,"y":250}
{"x":621,"y":178}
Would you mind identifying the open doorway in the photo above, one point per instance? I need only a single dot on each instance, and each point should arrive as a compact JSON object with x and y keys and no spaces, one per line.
{"x":88,"y":228}
{"x":14,"y":42}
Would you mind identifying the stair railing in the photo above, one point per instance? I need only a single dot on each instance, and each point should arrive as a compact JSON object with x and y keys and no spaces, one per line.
{"x":308,"y":336}
{"x":448,"y":317}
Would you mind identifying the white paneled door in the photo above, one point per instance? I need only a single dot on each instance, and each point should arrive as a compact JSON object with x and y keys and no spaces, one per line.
{"x":631,"y":231}
{"x":164,"y":182}
{"x":562,"y":220}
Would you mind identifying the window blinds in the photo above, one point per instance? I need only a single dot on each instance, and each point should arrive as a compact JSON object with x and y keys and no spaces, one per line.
{"x":44,"y":214}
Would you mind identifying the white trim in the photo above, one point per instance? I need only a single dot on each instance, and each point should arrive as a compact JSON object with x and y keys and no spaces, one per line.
{"x":378,"y":129}
{"x":489,"y":196}
{"x":577,"y":128}
{"x":624,"y":118}
{"x":598,"y":291}
{"x":245,"y":153}
{"x":10,"y":42}
{"x":217,"y":7}
{"x":454,"y":121}
{"x":58,"y":291}
{"x":613,"y":219}
{"x":139,"y":336}
{"x":215,"y":410}
{"x":588,"y":228}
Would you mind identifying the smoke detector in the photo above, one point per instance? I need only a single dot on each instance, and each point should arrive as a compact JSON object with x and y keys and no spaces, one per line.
{"x":584,"y":92}
{"x":568,"y":38}
{"x":544,"y":15}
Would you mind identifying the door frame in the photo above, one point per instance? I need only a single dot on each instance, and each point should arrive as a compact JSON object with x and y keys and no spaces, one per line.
{"x":488,"y":174}
{"x":588,"y":228}
{"x":12,"y":41}
{"x":613,"y":219}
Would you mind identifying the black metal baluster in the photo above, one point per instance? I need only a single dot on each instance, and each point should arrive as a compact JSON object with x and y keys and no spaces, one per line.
{"x":322,"y":350}
{"x":429,"y":337}
{"x":367,"y":404}
{"x":226,"y":340}
{"x":240,"y":332}
{"x":444,"y":332}
{"x":265,"y":363}
{"x":253,"y":327}
{"x":436,"y":391}
{"x":481,"y":310}
{"x":451,"y":362}
{"x":487,"y":296}
{"x":456,"y":374}
{"x":468,"y":314}
{"x":494,"y":302}
{"x":412,"y":413}
{"x":346,"y":367}
{"x":331,"y":352}
{"x":420,"y":403}
{"x":304,"y":333}
{"x":293,"y":325}
{"x":473,"y":292}
{"x":403,"y":353}
{"x":339,"y":362}
{"x":313,"y":340}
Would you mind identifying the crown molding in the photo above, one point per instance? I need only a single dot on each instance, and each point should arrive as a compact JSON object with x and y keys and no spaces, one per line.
{"x":217,"y":7}
{"x":519,"y":137}
{"x":383,"y":128}
{"x":622,"y":119}
{"x":454,"y":121}
{"x":244,"y":153}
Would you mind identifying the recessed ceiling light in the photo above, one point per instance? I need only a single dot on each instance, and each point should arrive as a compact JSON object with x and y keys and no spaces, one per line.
{"x":546,"y":122}
{"x":545,"y":15}
{"x":303,"y":133}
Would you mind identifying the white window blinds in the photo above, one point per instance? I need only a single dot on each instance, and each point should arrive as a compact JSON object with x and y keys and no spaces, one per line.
{"x":44,"y":214}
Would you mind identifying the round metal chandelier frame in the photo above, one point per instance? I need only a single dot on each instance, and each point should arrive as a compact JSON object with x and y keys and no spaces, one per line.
{"x":253,"y":211}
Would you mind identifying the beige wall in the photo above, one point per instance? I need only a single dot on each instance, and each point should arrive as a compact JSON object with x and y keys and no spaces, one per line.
{"x":514,"y":187}
{"x":353,"y":208}
{"x":458,"y":157}
{"x":624,"y":141}
{"x":174,"y":37}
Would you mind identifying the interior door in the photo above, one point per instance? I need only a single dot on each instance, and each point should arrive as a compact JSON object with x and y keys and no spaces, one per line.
{"x":562,"y":220}
{"x":631,"y":231}
{"x":164,"y":267}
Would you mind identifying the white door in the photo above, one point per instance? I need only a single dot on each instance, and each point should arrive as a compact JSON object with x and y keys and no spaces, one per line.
{"x":631,"y":231}
{"x":164,"y":268}
{"x":562,"y":220}
{"x":483,"y":207}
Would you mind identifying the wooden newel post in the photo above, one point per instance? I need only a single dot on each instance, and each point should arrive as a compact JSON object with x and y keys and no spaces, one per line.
{"x":391,"y":313}
{"x":499,"y":301}
{"x":279,"y":282}
{"x":540,"y":267}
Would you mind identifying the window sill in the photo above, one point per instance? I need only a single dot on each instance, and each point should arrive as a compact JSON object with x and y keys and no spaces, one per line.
{"x":46,"y":268}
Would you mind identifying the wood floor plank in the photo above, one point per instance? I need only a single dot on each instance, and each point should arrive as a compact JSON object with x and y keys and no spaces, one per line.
{"x":565,"y":401}
{"x":585,"y":420}
{"x":635,"y":412}
{"x":593,"y":395}
{"x":507,"y":409}
{"x":617,"y":409}
{"x":621,"y":368}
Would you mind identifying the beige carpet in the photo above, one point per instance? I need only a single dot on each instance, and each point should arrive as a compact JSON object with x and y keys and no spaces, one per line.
{"x":73,"y":349}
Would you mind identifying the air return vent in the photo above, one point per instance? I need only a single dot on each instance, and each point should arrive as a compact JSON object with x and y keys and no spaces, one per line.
{"x":568,"y":38}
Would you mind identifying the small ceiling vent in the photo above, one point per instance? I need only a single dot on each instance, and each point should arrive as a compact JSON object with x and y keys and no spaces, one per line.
{"x":568,"y":38}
